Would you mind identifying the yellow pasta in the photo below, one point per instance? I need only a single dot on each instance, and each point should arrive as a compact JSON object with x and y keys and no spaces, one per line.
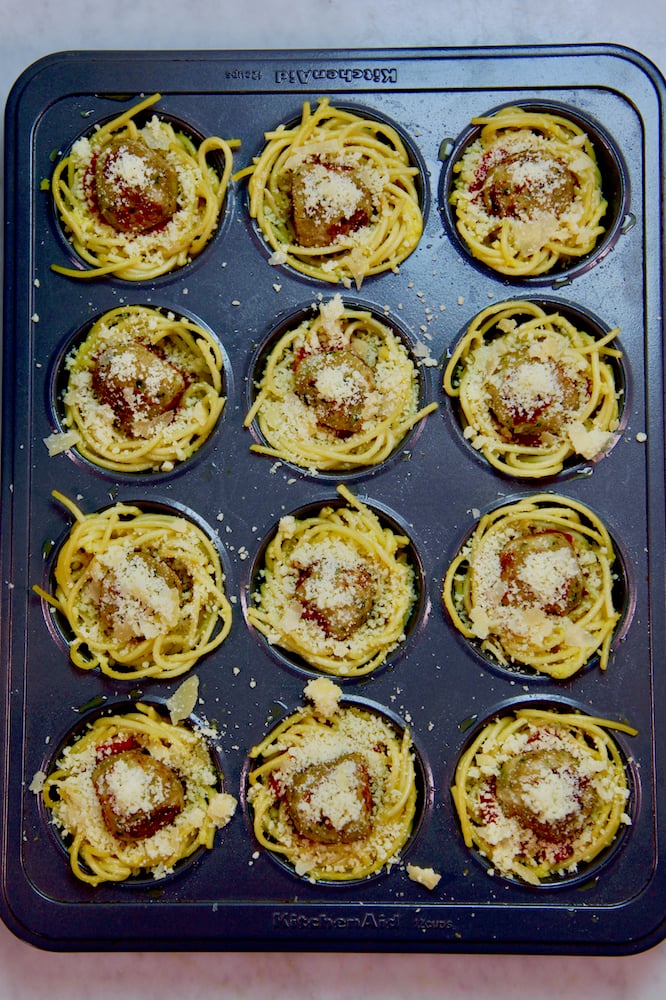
{"x":333,"y":789}
{"x":533,"y":586}
{"x":534,"y":390}
{"x":527,"y":193}
{"x":134,"y":796}
{"x":143,"y":592}
{"x":144,"y":390}
{"x":336,"y":589}
{"x":138,"y":201}
{"x":339,"y":391}
{"x":541,"y":792}
{"x":335,"y":195}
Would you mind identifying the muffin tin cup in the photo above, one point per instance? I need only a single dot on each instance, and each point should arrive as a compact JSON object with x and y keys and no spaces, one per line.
{"x":617,"y":219}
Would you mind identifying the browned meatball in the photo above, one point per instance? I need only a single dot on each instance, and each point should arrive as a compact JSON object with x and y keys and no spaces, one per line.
{"x":542,"y":570}
{"x":545,"y":792}
{"x":331,"y":803}
{"x":339,"y":601}
{"x":112,"y":597}
{"x":137,"y":188}
{"x":138,"y":794}
{"x":137,"y":383}
{"x":336,"y":385}
{"x":529,"y":396}
{"x":528,"y":182}
{"x":328,"y":200}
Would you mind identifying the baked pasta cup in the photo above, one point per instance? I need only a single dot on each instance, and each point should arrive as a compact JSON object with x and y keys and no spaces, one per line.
{"x":527,"y":192}
{"x":335,"y":195}
{"x":535,"y":389}
{"x":335,"y":589}
{"x":540,"y":793}
{"x":339,"y":391}
{"x":332,"y":790}
{"x":534,"y":586}
{"x":139,"y":200}
{"x":134,"y":796}
{"x":141,"y":392}
{"x":141,"y":591}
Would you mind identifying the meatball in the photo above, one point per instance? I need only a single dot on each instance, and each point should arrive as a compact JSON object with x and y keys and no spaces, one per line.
{"x":331,"y":803}
{"x":137,"y":188}
{"x":336,"y":385}
{"x":122,"y":606}
{"x":542,"y":570}
{"x":339,"y":599}
{"x":544,"y":791}
{"x":527,"y":182}
{"x":138,"y":794}
{"x":137,"y":383}
{"x":528,"y":396}
{"x":328,"y":199}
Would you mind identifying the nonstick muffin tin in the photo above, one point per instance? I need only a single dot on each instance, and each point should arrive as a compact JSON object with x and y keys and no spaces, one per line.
{"x":433,"y":489}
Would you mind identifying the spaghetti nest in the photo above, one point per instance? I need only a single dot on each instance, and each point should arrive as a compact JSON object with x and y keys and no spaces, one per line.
{"x":540,"y":792}
{"x":527,"y":192}
{"x":534,"y":390}
{"x":533,"y":586}
{"x":335,"y":195}
{"x":333,"y":792}
{"x":142,"y":592}
{"x":336,"y":589}
{"x":339,"y":391}
{"x":135,"y":795}
{"x":144,"y":390}
{"x":137,"y":200}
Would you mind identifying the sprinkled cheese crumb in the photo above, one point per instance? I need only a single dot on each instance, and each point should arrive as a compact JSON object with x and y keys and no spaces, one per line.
{"x":182,"y":701}
{"x":37,"y":783}
{"x":61,"y":441}
{"x":427,"y":877}
{"x":324,"y":695}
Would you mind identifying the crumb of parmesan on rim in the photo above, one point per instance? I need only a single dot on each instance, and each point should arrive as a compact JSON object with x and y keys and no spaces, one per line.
{"x":182,"y":701}
{"x":61,"y":441}
{"x":324,"y":695}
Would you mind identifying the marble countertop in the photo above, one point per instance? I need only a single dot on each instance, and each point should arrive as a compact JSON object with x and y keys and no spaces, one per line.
{"x":32,"y":30}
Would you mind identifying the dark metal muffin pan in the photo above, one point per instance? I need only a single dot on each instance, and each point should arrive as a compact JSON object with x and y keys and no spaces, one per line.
{"x":235,"y":897}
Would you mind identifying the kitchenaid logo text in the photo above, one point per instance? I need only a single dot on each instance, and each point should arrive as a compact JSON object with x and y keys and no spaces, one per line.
{"x":306,"y":76}
{"x":286,"y":920}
